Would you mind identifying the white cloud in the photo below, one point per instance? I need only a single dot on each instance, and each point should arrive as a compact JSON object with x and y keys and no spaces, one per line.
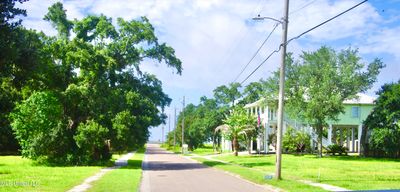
{"x":383,"y":41}
{"x":351,"y":24}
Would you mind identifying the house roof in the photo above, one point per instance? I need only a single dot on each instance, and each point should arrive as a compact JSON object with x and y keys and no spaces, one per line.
{"x":255,"y":104}
{"x":362,"y":99}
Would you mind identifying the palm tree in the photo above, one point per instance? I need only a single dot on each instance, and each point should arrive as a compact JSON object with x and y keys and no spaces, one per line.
{"x":236,"y":125}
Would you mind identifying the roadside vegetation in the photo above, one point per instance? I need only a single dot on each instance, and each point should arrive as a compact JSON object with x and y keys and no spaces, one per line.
{"x":350,"y":172}
{"x":126,"y":178}
{"x":21,"y":174}
{"x":342,"y":74}
{"x":77,"y":97}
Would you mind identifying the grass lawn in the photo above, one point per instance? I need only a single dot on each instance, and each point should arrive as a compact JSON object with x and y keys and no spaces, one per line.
{"x":207,"y":149}
{"x":126,"y":178}
{"x":19,"y":174}
{"x":176,"y":149}
{"x":349,"y":172}
{"x":257,"y":176}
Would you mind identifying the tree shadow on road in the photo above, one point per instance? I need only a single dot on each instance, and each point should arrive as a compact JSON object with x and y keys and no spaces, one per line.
{"x":164,"y":166}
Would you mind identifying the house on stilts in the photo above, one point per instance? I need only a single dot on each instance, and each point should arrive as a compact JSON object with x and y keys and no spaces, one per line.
{"x":345,"y":131}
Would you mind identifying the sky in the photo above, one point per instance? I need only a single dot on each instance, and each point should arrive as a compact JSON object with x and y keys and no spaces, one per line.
{"x":215,"y":39}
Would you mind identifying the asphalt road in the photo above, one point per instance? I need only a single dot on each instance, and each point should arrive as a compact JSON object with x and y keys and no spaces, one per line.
{"x":167,"y":172}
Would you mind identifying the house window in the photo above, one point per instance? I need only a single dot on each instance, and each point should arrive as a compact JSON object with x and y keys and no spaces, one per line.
{"x":355,"y":112}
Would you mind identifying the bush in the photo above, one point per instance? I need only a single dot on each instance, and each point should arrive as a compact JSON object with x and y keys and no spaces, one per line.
{"x":35,"y":122}
{"x":39,"y":127}
{"x":383,"y":124}
{"x":296,"y":141}
{"x":333,"y":149}
{"x":122,"y":125}
{"x":91,"y":140}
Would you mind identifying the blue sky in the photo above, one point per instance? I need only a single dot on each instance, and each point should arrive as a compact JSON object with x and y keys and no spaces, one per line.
{"x":216,"y":38}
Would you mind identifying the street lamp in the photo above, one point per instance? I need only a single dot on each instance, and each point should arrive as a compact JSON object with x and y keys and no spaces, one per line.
{"x":284,"y":23}
{"x":259,"y":18}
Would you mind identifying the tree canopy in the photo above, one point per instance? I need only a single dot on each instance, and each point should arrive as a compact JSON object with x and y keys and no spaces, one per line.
{"x":383,"y":124}
{"x":98,"y":99}
{"x":239,"y":125}
{"x":317,"y":85}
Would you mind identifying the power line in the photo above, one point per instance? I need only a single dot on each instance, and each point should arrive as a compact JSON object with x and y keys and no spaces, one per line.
{"x":273,"y":52}
{"x":255,"y":54}
{"x":332,"y":18}
{"x":302,"y":7}
{"x":298,"y":36}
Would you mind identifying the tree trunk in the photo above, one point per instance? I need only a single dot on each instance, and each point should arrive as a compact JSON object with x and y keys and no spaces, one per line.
{"x":319,"y":127}
{"x":214,"y":148}
{"x":232,"y":146}
{"x":235,"y":146}
{"x":364,"y":147}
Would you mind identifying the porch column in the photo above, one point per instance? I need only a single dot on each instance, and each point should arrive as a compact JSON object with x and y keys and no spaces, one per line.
{"x":266,"y":138}
{"x":334,"y":135}
{"x":348,"y":138}
{"x":359,"y":138}
{"x":353,"y":148}
{"x":341,"y":137}
{"x":330,"y":134}
{"x":309,"y":129}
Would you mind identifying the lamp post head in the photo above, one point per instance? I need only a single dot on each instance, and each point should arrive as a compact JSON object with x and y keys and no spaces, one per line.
{"x":259,"y":18}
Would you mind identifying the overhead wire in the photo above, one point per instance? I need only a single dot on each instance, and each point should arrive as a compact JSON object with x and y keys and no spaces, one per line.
{"x":302,"y":7}
{"x":326,"y":21}
{"x":300,"y":35}
{"x":258,"y":50}
{"x":255,"y":54}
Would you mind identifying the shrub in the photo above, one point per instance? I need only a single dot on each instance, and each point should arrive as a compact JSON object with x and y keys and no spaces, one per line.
{"x":334,"y":148}
{"x":91,"y":140}
{"x":296,"y":141}
{"x":383,"y":124}
{"x":39,"y":127}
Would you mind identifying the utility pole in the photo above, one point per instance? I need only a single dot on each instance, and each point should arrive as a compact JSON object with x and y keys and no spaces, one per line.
{"x":175,"y":128}
{"x":281,"y":92}
{"x":183,"y":122}
{"x":169,"y":123}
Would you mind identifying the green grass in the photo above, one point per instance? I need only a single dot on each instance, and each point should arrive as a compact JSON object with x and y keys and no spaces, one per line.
{"x":19,"y":174}
{"x":205,"y":150}
{"x":257,"y":176}
{"x":349,"y":172}
{"x":176,"y":149}
{"x":126,"y":178}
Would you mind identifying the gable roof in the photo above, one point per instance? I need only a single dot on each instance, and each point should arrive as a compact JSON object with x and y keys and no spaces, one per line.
{"x":362,"y":99}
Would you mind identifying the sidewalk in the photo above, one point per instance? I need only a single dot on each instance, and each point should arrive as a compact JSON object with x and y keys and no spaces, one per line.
{"x":123,"y":161}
